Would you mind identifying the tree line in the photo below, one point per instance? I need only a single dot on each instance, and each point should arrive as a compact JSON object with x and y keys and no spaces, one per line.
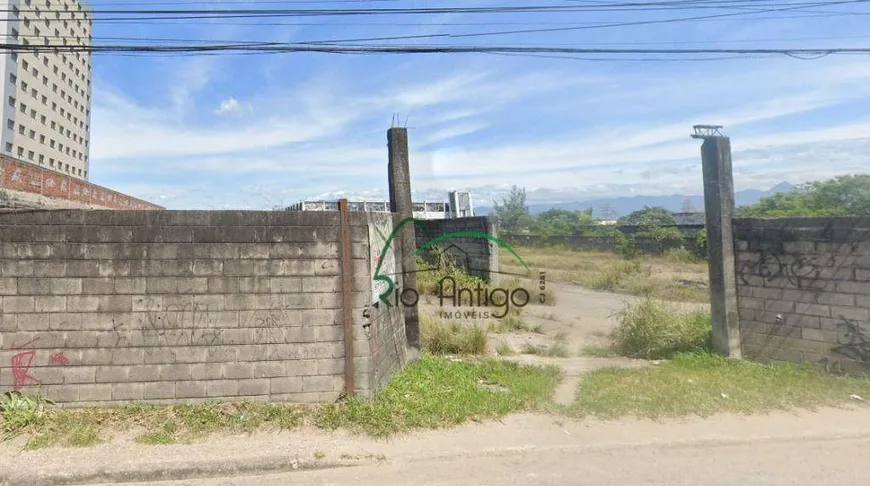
{"x":841,"y":196}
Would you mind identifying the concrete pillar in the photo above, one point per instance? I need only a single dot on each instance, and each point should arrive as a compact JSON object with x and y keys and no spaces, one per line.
{"x":719,"y":208}
{"x":400,"y":203}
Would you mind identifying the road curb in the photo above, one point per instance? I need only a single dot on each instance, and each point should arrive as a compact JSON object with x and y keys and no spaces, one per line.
{"x":179,"y":471}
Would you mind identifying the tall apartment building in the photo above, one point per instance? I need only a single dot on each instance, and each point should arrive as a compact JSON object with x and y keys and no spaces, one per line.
{"x":46,"y":95}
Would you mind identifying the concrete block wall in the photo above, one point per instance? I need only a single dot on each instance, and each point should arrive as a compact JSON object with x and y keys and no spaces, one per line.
{"x":382,"y":336}
{"x":172,"y":306}
{"x":29,"y":185}
{"x":803,"y":290}
{"x":479,"y":256}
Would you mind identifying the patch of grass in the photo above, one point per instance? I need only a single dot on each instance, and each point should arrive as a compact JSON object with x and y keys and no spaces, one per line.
{"x":599,"y":351}
{"x":702,"y":383}
{"x":319,"y":455}
{"x":557,"y":349}
{"x":681,"y":255}
{"x":510,"y":323}
{"x":667,"y":289}
{"x":504,"y":349}
{"x":652,"y":329}
{"x":439,"y":337}
{"x":612,"y":276}
{"x":434,"y":392}
{"x":21,"y":412}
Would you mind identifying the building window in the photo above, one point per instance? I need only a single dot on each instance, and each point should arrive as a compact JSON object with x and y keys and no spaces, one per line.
{"x":12,"y":101}
{"x":42,"y":119}
{"x":14,"y":34}
{"x":12,"y":78}
{"x":33,"y":93}
{"x":45,"y":79}
{"x":44,"y":100}
{"x":23,"y":108}
{"x":33,"y":134}
{"x":55,"y":69}
{"x":53,"y":106}
{"x":51,"y":143}
{"x":15,"y":56}
{"x":41,"y":159}
{"x":30,"y":154}
{"x":33,"y":113}
{"x":54,"y":87}
{"x":21,"y":129}
{"x":20,"y":151}
{"x":53,"y":124}
{"x":50,"y":162}
{"x":15,"y":11}
{"x":24,"y":86}
{"x":10,"y":124}
{"x":25,"y":65}
{"x":42,"y":139}
{"x":9,"y":147}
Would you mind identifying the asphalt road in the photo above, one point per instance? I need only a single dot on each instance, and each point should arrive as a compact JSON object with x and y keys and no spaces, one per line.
{"x":840,"y":461}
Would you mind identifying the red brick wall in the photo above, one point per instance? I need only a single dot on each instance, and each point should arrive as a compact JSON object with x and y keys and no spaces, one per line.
{"x":21,"y":176}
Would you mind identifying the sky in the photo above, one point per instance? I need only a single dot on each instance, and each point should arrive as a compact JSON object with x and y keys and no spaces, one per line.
{"x":267,"y":130}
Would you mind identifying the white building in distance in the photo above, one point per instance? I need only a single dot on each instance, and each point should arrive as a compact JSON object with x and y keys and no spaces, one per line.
{"x":46,"y":95}
{"x":458,"y":206}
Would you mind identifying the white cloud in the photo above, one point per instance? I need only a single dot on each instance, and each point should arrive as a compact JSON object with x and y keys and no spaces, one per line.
{"x":232,"y":105}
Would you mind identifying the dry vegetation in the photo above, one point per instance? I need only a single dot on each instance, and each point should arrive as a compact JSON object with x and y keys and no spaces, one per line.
{"x":675,"y":276}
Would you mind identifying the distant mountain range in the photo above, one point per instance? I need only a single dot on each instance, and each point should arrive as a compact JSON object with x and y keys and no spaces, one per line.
{"x":615,"y":207}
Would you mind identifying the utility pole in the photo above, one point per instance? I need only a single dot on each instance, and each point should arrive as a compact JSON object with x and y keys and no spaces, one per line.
{"x":719,"y":209}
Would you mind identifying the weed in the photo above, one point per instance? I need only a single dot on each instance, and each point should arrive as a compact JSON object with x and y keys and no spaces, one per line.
{"x":20,"y":412}
{"x":504,"y":349}
{"x":653,"y":330}
{"x":319,"y":455}
{"x":439,"y":337}
{"x":611,"y":276}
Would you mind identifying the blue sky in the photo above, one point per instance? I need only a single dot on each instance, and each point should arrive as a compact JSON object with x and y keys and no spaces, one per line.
{"x":256,"y":131}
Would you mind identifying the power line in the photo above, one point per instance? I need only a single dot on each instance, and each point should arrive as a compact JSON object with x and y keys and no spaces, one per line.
{"x":397,"y":49}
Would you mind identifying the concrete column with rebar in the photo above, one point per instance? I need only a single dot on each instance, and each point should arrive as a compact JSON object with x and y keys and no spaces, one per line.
{"x":400,"y":204}
{"x":719,"y":209}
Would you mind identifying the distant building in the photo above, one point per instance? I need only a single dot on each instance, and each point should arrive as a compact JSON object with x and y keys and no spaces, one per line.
{"x":690,"y":218}
{"x":46,"y":94}
{"x":458,"y":205}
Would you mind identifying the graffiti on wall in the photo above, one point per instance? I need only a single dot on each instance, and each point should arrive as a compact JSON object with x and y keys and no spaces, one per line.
{"x":857,"y":346}
{"x":21,"y":363}
{"x":794,"y":268}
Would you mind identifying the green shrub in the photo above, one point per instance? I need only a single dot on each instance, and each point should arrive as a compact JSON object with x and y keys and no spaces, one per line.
{"x":662,"y":238}
{"x":654,"y":330}
{"x":701,"y":244}
{"x":625,"y":245}
{"x":441,"y":265}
